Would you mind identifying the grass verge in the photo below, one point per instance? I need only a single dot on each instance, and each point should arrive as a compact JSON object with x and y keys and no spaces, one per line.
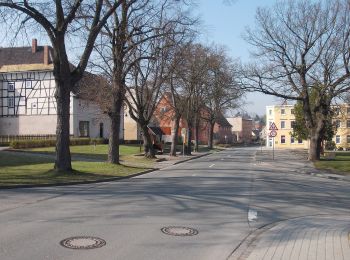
{"x":340,"y":165}
{"x":26,"y":169}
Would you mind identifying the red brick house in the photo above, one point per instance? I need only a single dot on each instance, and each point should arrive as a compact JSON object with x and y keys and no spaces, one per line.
{"x":164,"y":118}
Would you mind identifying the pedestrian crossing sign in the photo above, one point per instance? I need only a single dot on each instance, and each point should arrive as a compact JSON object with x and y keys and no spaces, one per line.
{"x":273,"y":127}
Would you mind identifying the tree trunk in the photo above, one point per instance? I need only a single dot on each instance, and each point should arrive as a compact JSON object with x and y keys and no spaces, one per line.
{"x":147,"y":143}
{"x":113,"y":149}
{"x":211,"y":135}
{"x":315,"y":146}
{"x":196,"y":147}
{"x":188,"y":149}
{"x":63,"y":157}
{"x":175,"y":136}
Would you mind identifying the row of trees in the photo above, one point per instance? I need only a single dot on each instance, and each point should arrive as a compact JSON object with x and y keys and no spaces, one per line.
{"x":140,"y":50}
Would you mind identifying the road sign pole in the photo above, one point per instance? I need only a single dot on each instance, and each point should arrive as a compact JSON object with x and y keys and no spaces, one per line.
{"x":273,"y":148}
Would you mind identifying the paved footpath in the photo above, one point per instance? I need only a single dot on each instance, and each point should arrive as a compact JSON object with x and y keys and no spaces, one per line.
{"x":314,"y":237}
{"x":308,"y":235}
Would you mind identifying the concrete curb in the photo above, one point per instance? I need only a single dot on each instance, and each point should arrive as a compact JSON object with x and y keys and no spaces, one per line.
{"x":330,"y":176}
{"x":246,"y":246}
{"x":192,"y":158}
{"x":78,"y":182}
{"x":95,"y":181}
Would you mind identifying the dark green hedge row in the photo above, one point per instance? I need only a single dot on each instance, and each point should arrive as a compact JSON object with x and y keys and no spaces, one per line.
{"x":21,"y":144}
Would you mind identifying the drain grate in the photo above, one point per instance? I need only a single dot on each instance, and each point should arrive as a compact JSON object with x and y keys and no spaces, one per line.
{"x":83,"y":242}
{"x":179,"y":231}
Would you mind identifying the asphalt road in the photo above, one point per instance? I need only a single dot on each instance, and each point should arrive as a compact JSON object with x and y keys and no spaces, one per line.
{"x":224,"y":196}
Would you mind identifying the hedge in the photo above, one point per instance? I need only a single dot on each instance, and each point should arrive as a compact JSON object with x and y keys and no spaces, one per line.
{"x":21,"y":144}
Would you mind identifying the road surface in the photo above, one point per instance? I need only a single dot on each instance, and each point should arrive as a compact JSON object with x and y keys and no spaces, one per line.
{"x":225,"y":197}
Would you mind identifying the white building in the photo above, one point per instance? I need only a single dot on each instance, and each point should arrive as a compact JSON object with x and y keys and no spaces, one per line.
{"x":27,"y":102}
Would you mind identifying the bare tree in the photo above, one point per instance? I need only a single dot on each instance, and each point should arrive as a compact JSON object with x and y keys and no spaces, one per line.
{"x":191,"y":77}
{"x":220,"y":90}
{"x":128,"y":41}
{"x":57,"y":18}
{"x":302,"y":47}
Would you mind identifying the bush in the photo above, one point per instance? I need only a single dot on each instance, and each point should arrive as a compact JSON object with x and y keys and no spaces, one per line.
{"x":330,"y":145}
{"x":4,"y":144}
{"x":340,"y":148}
{"x":23,"y":144}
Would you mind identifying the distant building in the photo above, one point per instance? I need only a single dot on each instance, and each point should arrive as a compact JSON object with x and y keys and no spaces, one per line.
{"x":284,"y":118}
{"x":241,"y":128}
{"x":164,"y":118}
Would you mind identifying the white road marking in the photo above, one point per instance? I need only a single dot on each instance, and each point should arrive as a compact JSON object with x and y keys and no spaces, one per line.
{"x":252,"y":215}
{"x":212,"y":165}
{"x":194,"y":174}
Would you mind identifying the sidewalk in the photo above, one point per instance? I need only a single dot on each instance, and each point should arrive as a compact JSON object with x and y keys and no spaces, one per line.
{"x":300,"y":165}
{"x":315,"y":237}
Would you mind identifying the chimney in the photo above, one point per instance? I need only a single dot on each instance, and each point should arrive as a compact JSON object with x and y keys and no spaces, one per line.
{"x":34,"y":45}
{"x":46,"y":55}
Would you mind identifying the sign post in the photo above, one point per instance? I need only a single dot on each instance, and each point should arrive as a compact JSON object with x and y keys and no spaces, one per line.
{"x":273,"y":133}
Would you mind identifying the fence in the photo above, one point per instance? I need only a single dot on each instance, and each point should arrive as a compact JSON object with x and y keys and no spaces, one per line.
{"x":10,"y":138}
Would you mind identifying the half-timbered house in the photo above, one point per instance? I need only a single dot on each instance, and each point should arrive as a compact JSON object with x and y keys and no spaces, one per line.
{"x":27,"y":97}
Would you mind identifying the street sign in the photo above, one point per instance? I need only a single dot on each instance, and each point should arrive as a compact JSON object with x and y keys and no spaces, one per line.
{"x":273,"y":133}
{"x":273,"y":127}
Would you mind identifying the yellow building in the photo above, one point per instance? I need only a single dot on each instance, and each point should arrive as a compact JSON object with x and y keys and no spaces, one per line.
{"x":283,"y":117}
{"x":342,"y":121}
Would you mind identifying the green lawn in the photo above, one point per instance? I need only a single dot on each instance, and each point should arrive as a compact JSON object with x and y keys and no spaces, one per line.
{"x":19,"y":168}
{"x":341,"y":163}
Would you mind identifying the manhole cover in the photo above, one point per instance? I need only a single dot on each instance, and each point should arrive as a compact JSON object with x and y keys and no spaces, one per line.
{"x":179,"y":231}
{"x":83,"y":242}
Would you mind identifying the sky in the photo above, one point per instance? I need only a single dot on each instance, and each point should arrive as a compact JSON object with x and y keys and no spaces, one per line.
{"x":224,"y":24}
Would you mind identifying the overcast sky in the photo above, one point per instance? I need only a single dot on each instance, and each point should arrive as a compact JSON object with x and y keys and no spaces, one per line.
{"x":224,"y":24}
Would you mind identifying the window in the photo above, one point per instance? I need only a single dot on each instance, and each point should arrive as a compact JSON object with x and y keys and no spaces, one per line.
{"x":11,"y":86}
{"x":348,"y":123}
{"x":283,"y":111}
{"x":283,"y":124}
{"x":300,"y":141}
{"x":84,"y":128}
{"x":283,"y":139}
{"x":292,"y":139}
{"x":11,"y":102}
{"x":348,"y":110}
{"x":348,"y":139}
{"x":292,"y":111}
{"x":292,"y":124}
{"x":28,"y":84}
{"x":270,"y":112}
{"x":337,"y":123}
{"x":337,"y":139}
